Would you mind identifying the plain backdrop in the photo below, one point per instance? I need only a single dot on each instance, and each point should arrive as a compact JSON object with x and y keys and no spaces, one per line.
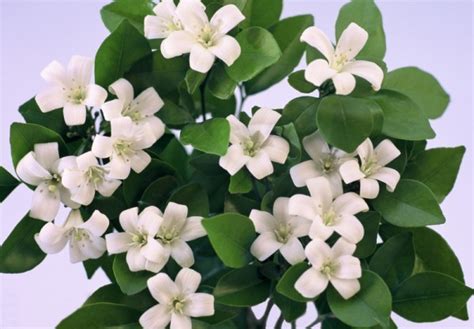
{"x":436,"y":36}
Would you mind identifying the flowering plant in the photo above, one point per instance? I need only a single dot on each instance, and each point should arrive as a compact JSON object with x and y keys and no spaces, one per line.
{"x":324,"y":202}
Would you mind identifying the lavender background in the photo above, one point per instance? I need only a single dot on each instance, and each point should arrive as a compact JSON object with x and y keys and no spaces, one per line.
{"x":434,"y":35}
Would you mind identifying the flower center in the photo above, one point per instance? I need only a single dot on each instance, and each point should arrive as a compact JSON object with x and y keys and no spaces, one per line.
{"x":77,"y":95}
{"x":139,"y":239}
{"x":123,"y":148}
{"x":329,"y":217}
{"x":252,"y":145}
{"x":131,"y":112}
{"x":79,"y":234}
{"x":168,"y":235}
{"x":328,"y":163}
{"x":174,"y":25}
{"x":206,"y":36}
{"x":339,"y":61}
{"x":54,"y":182}
{"x":178,"y":305}
{"x":328,"y":268}
{"x":283,"y":232}
{"x":95,"y":175}
{"x":370,"y":166}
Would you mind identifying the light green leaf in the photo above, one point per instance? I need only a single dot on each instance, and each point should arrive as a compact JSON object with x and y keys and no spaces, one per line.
{"x":129,"y":282}
{"x":370,"y":220}
{"x":231,"y":236}
{"x":219,"y":108}
{"x":421,"y":87}
{"x":412,"y":204}
{"x":241,"y":182}
{"x":220,"y":84}
{"x":211,"y":136}
{"x":7,"y":183}
{"x":193,"y":80}
{"x":132,"y":10}
{"x":262,"y":13}
{"x":194,"y":197}
{"x":259,"y":50}
{"x":298,"y":81}
{"x":302,"y":112}
{"x":286,"y":285}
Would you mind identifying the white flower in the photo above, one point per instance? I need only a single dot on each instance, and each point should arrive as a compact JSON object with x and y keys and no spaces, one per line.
{"x":372,"y":168}
{"x":335,"y":265}
{"x":141,"y":109}
{"x":71,"y":90}
{"x":325,"y":161}
{"x":254,"y":147}
{"x":138,"y":240}
{"x":84,"y":238}
{"x":329,"y":213}
{"x":43,"y":168}
{"x":89,"y":176}
{"x":178,"y":301}
{"x":279,"y":231}
{"x":125,"y":147}
{"x":164,"y":22}
{"x":204,"y":39}
{"x":340,"y":65}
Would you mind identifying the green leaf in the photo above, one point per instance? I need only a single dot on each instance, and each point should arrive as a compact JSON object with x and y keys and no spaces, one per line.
{"x":176,"y":156}
{"x":394,"y":260}
{"x":302,"y":112}
{"x":287,"y":33}
{"x":52,"y":120}
{"x":231,"y":236}
{"x":366,"y":14}
{"x":430,"y":297}
{"x":129,"y":282}
{"x":262,"y":13}
{"x":298,"y":81}
{"x":211,"y":136}
{"x":241,"y":182}
{"x":19,"y":252}
{"x":158,"y":192}
{"x":412,"y":204}
{"x":132,"y":10}
{"x":345,"y":122}
{"x":370,"y":220}
{"x":119,"y":51}
{"x":7,"y":183}
{"x":369,"y":307}
{"x":105,"y":262}
{"x":436,"y":168}
{"x":220,"y":84}
{"x":194,"y":197}
{"x":421,"y":87}
{"x":290,"y":309}
{"x":259,"y":50}
{"x":403,"y":119}
{"x":174,"y":116}
{"x":286,"y":285}
{"x":219,"y":108}
{"x":111,"y":293}
{"x":24,"y":136}
{"x":193,"y":80}
{"x":101,"y":315}
{"x":242,"y":287}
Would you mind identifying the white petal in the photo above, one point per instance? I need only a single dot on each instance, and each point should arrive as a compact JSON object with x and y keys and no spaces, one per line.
{"x":51,"y":238}
{"x":177,"y":44}
{"x":176,"y":214}
{"x":320,"y":231}
{"x":112,"y":109}
{"x":47,"y":154}
{"x":366,"y":70}
{"x":102,"y":147}
{"x":187,"y":281}
{"x":318,"y":39}
{"x":162,"y":288}
{"x":335,"y":181}
{"x":317,"y":253}
{"x":302,"y":205}
{"x":350,"y":171}
{"x":122,"y":127}
{"x":349,"y":228}
{"x":73,"y":220}
{"x":365,"y":150}
{"x":179,"y":321}
{"x":348,"y":268}
{"x":135,"y":260}
{"x":148,"y":102}
{"x":30,"y":171}
{"x":118,"y":242}
{"x":139,"y":161}
{"x":293,"y":251}
{"x":96,"y":95}
{"x":201,"y":59}
{"x":84,"y":194}
{"x":238,"y":131}
{"x":226,"y":18}
{"x":182,"y":253}
{"x":149,"y":220}
{"x":343,"y":247}
{"x":65,"y":196}
{"x":145,"y":139}
{"x":227,"y":49}
{"x":316,"y":146}
{"x":157,"y":267}
{"x":300,"y":226}
{"x":157,"y":316}
{"x":311,"y":283}
{"x":263,"y":122}
{"x":199,"y":304}
{"x":157,"y":126}
{"x":281,"y":209}
{"x":346,"y":288}
{"x":351,"y":41}
{"x":54,"y":73}
{"x":45,"y":205}
{"x":74,"y":114}
{"x":260,"y":166}
{"x":321,"y":192}
{"x":51,"y":98}
{"x":108,"y":187}
{"x":304,"y":171}
{"x":277,"y":148}
{"x":123,"y":89}
{"x":72,"y":179}
{"x":386,"y":152}
{"x":154,"y":252}
{"x":389,"y":176}
{"x":155,"y":27}
{"x":350,"y":203}
{"x":79,"y":69}
{"x":97,"y":224}
{"x":86,"y":160}
{"x":369,"y":188}
{"x":263,"y":221}
{"x":68,"y":162}
{"x":75,"y":252}
{"x":265,"y":246}
{"x":319,"y":71}
{"x":119,"y":168}
{"x":344,"y":83}
{"x":234,"y":159}
{"x":192,"y":15}
{"x":129,"y":220}
{"x":92,"y":248}
{"x":193,"y":229}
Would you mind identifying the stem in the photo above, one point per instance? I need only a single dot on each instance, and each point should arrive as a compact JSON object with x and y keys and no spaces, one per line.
{"x":320,"y":319}
{"x":251,"y":319}
{"x":263,"y":321}
{"x":202,"y":88}
{"x":255,"y":190}
{"x":279,"y":323}
{"x":243,"y":97}
{"x":293,"y":325}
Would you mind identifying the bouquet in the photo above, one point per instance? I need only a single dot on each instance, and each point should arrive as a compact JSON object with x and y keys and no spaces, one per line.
{"x":197,"y":211}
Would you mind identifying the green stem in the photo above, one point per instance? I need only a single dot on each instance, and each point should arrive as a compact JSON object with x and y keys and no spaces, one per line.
{"x":320,"y":319}
{"x":279,"y":323}
{"x":263,"y":321}
{"x":243,"y":97}
{"x":202,"y":89}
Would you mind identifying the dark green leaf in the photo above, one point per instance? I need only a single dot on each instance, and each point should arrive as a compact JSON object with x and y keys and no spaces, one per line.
{"x":262,"y":13}
{"x":7,"y":183}
{"x":211,"y":136}
{"x":286,"y":285}
{"x":129,"y":282}
{"x":298,"y":81}
{"x":370,"y":220}
{"x":302,"y":112}
{"x":290,"y":309}
{"x":219,"y":108}
{"x":194,"y":197}
{"x":132,"y":10}
{"x":193,"y":80}
{"x":158,"y":192}
{"x":176,"y":156}
{"x":173,"y":115}
{"x":52,"y":120}
{"x":220,"y":84}
{"x":241,"y":182}
{"x":111,"y":293}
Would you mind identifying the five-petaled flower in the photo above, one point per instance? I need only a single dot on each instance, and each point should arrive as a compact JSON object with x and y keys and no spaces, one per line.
{"x":372,"y":168}
{"x":187,"y":29}
{"x":178,"y":301}
{"x":254,"y":147}
{"x":329,"y":213}
{"x":340,"y":65}
{"x":43,"y":168}
{"x":71,"y":90}
{"x":279,"y":232}
{"x":335,"y":265}
{"x":85,"y":241}
{"x":325,"y":161}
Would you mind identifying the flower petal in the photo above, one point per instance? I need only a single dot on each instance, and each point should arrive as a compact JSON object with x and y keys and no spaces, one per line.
{"x":280,"y":209}
{"x":96,"y":95}
{"x":97,"y":224}
{"x":386,"y":152}
{"x":175,"y":215}
{"x":317,"y":252}
{"x":148,"y":102}
{"x":365,"y":150}
{"x":316,"y":146}
{"x":79,"y":69}
{"x":51,"y":238}
{"x":108,"y":187}
{"x":319,"y":230}
{"x":346,"y":288}
{"x":187,"y":281}
{"x":319,"y":71}
{"x":304,"y":171}
{"x":54,"y":73}
{"x":157,"y":316}
{"x":321,"y":192}
{"x":47,"y":154}
{"x":193,"y":229}
{"x":102,"y":147}
{"x":227,"y":49}
{"x":92,"y":248}
{"x":263,"y":122}
{"x":74,"y":114}
{"x":335,"y":181}
{"x":45,"y":204}
{"x":302,"y":205}
{"x":300,"y":226}
{"x":264,"y":246}
{"x":157,"y":126}
{"x":182,"y":253}
{"x":238,"y":131}
{"x":343,"y":247}
{"x":129,"y":220}
{"x":179,"y":321}
{"x":348,"y":268}
{"x":318,"y":39}
{"x":31,"y":171}
{"x":139,"y":161}
{"x":366,"y":70}
{"x":262,"y":220}
{"x":149,"y":220}
{"x":350,"y":171}
{"x":135,"y":260}
{"x":199,"y":304}
{"x":51,"y":98}
{"x":311,"y":283}
{"x":350,"y":203}
{"x":119,"y":168}
{"x":123,"y":89}
{"x":260,"y":165}
{"x":226,"y":18}
{"x":154,"y":252}
{"x":192,"y":15}
{"x":234,"y":159}
{"x":155,"y":27}
{"x":118,"y":242}
{"x":389,"y":176}
{"x":344,"y":83}
{"x":84,"y":194}
{"x":293,"y":251}
{"x":112,"y":109}
{"x":201,"y":59}
{"x":277,"y":148}
{"x":177,"y":44}
{"x":349,"y":228}
{"x":351,"y":41}
{"x":162,"y":288}
{"x":369,"y":188}
{"x":86,"y":160}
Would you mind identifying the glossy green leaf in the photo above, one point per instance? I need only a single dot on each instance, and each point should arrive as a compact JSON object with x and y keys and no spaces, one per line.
{"x":174,"y":116}
{"x":370,"y":220}
{"x":290,"y":309}
{"x":193,"y":80}
{"x":7,"y":183}
{"x":241,"y":182}
{"x":220,"y":84}
{"x":286,"y":285}
{"x":211,"y":136}
{"x":302,"y":112}
{"x":52,"y":120}
{"x":298,"y":81}
{"x":220,"y":108}
{"x":133,"y":11}
{"x":194,"y":197}
{"x":129,"y":282}
{"x":262,"y":13}
{"x":158,"y":192}
{"x":111,"y":293}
